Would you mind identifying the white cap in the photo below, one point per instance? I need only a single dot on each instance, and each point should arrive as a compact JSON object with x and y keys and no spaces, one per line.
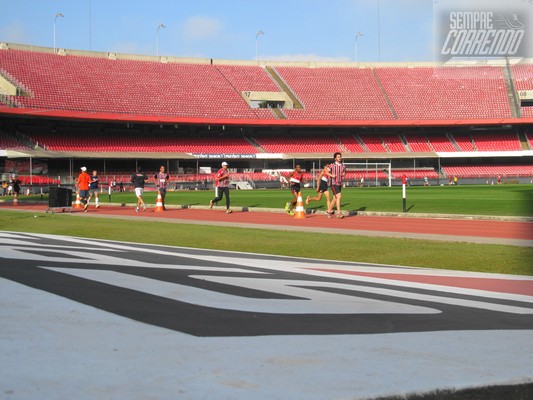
{"x":224,"y":163}
{"x":84,"y":168}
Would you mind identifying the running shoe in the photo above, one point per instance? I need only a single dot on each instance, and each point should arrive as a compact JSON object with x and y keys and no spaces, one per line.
{"x":85,"y":207}
{"x":340,"y":216}
{"x":136,"y":209}
{"x":97,"y":206}
{"x":287,"y":207}
{"x":211,"y":204}
{"x":228,"y":211}
{"x":291,"y":212}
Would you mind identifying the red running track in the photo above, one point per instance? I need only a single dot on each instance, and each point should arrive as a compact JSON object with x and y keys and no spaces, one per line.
{"x":431,"y":228}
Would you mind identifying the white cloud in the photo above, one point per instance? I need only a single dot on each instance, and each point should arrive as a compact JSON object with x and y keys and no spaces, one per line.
{"x":304,"y":57}
{"x":202,"y":28}
{"x":14,"y":33}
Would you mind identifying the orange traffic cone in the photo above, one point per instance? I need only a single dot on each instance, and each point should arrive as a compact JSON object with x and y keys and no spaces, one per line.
{"x":77,"y":204}
{"x":159,"y":203}
{"x":299,"y":212}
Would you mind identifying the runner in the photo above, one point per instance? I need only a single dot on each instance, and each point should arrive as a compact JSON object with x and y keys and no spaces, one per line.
{"x":93,"y":189}
{"x":222,"y":187}
{"x":138,"y":179}
{"x":161,"y":180}
{"x":296,"y":179}
{"x":322,"y":187}
{"x":15,"y":184}
{"x":338,"y":171}
{"x":83,"y":187}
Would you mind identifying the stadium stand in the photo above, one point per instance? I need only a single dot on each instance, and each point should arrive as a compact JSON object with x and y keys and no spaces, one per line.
{"x":393,"y":143}
{"x":130,"y":86}
{"x":418,"y":173}
{"x":523,"y":80}
{"x":368,"y":112}
{"x":335,"y":93}
{"x":350,"y":143}
{"x":165,"y":143}
{"x":11,"y":143}
{"x":298,"y":144}
{"x":488,"y":171}
{"x":446,"y":92}
{"x":441,"y":143}
{"x":496,"y":141}
{"x":418,"y":143}
{"x":464,"y":141}
{"x":374,"y":144}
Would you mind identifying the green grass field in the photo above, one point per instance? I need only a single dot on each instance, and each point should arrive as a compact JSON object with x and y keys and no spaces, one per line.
{"x":418,"y":253}
{"x":505,"y":200}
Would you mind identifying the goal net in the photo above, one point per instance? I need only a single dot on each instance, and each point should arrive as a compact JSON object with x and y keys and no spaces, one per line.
{"x":365,"y":174}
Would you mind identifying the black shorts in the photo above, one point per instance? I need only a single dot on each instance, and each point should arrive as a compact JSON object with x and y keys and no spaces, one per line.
{"x":295,"y":188}
{"x":336,"y":189}
{"x":323,"y":187}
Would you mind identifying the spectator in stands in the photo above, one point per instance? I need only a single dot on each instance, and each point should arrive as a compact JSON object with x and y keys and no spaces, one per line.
{"x":321,"y":187}
{"x":296,"y":179}
{"x":161,"y":180}
{"x":499,"y":179}
{"x":222,"y":187}
{"x":93,"y":189}
{"x":4,"y":188}
{"x":138,"y":179}
{"x":455,"y":180}
{"x":82,"y":185}
{"x":120,"y":187}
{"x":338,"y":172}
{"x":426,"y":181}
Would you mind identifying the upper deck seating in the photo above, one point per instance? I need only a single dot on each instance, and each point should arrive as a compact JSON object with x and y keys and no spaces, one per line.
{"x":335,"y":93}
{"x":81,"y":83}
{"x":523,"y":80}
{"x":446,"y":92}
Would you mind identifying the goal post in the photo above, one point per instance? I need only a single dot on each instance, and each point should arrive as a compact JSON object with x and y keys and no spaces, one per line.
{"x":371,"y":172}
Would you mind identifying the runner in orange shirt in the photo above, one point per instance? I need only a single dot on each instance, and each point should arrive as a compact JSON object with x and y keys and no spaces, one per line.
{"x":84,"y":179}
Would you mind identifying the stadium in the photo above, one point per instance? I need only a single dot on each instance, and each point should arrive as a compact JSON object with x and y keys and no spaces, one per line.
{"x":66,"y":108}
{"x":195,"y":303}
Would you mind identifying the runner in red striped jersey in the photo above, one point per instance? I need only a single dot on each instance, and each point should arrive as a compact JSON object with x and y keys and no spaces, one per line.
{"x":338,"y":171}
{"x":296,"y":179}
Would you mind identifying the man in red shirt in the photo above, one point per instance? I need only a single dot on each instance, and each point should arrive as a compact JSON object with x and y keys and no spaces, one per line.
{"x":84,"y":179}
{"x":222,"y":186}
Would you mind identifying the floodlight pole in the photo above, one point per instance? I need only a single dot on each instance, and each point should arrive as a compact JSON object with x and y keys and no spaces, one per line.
{"x":55,"y":19}
{"x":357,"y":35}
{"x":256,"y":46}
{"x":157,"y":39}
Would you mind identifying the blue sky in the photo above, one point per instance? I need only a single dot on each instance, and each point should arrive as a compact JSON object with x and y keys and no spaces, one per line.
{"x":299,"y":30}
